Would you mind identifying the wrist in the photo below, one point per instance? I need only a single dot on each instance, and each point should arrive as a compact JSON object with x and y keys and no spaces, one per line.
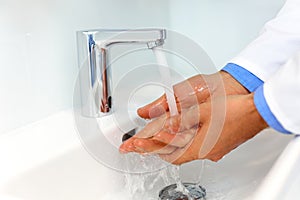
{"x":232,"y":86}
{"x":243,"y":76}
{"x":254,"y":113}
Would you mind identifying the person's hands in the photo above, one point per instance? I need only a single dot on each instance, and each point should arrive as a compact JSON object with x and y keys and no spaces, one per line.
{"x":200,"y":132}
{"x":195,"y":90}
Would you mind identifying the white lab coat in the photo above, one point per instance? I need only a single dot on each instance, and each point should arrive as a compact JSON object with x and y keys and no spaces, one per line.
{"x":274,"y":57}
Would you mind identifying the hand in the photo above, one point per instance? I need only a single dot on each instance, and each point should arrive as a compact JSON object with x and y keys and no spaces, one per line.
{"x":193,"y":91}
{"x":200,"y":132}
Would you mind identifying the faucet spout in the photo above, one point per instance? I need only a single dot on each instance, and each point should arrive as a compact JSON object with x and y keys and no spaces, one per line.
{"x":93,"y":51}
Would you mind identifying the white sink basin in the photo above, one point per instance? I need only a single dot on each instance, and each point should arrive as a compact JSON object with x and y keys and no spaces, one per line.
{"x":46,"y":160}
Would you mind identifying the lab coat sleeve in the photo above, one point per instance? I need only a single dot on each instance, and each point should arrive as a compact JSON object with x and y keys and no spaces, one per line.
{"x":282,"y":97}
{"x":253,"y":83}
{"x":262,"y":67}
{"x":278,"y":41}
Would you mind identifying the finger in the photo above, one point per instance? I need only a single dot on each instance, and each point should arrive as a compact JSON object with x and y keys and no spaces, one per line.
{"x":154,"y":109}
{"x":188,"y":119}
{"x":184,"y":94}
{"x":160,"y":105}
{"x":191,"y":151}
{"x":187,"y":93}
{"x":178,"y":140}
{"x":193,"y":91}
{"x":181,"y":155}
{"x":127,"y":146}
{"x":152,"y":128}
{"x":177,"y":157}
{"x":153,"y":146}
{"x":178,"y":123}
{"x":158,"y":125}
{"x":166,"y":150}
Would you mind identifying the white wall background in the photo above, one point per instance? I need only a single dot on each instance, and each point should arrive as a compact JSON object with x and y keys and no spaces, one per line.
{"x":38,"y":62}
{"x":222,"y":27}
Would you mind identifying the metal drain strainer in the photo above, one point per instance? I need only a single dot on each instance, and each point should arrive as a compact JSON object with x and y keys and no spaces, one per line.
{"x":196,"y":192}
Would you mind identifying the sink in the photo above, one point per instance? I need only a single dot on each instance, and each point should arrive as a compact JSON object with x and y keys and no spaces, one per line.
{"x":67,"y":156}
{"x":46,"y":160}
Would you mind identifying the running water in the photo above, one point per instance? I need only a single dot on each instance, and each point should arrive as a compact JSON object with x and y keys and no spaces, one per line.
{"x":143,"y":185}
{"x":147,"y":174}
{"x":167,"y":82}
{"x":180,"y":190}
{"x":166,"y":79}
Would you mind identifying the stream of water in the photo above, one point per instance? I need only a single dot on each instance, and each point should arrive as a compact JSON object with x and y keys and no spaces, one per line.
{"x":165,"y":74}
{"x":145,"y":185}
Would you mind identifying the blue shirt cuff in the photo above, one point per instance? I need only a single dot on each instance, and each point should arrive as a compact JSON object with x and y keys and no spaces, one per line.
{"x":243,"y":76}
{"x":264,"y":110}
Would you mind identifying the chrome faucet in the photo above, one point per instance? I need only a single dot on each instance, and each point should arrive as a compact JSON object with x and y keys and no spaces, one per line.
{"x":93,"y":56}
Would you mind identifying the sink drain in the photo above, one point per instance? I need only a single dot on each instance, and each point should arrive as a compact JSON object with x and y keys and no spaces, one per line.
{"x":196,"y":192}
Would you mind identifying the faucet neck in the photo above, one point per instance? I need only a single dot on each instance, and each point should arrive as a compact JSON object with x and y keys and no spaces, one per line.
{"x":99,"y":42}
